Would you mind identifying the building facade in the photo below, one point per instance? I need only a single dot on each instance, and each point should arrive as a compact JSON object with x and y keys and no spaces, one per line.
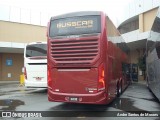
{"x":19,"y":27}
{"x":136,"y":29}
{"x":13,"y":38}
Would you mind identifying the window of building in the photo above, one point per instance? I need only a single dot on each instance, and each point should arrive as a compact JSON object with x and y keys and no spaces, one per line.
{"x":128,"y":27}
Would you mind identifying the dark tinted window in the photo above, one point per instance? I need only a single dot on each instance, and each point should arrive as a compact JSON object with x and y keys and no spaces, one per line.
{"x":156,"y":25}
{"x":153,"y":39}
{"x":75,"y":25}
{"x":36,"y":50}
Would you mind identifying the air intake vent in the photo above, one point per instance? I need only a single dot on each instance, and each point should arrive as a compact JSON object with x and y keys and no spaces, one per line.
{"x":74,"y":51}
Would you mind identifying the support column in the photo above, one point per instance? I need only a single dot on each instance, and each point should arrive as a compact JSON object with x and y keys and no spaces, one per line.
{"x":141,"y":23}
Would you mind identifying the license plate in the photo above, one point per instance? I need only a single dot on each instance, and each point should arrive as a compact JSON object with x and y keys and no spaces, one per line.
{"x":73,"y":99}
{"x":38,"y":78}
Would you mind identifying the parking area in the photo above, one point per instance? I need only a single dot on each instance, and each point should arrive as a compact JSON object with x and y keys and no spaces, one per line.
{"x":135,"y":101}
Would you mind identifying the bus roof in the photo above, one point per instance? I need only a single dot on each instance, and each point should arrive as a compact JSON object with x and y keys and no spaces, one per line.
{"x":81,"y":13}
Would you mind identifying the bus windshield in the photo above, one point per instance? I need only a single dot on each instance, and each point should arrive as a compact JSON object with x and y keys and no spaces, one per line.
{"x":36,"y":50}
{"x":75,"y":25}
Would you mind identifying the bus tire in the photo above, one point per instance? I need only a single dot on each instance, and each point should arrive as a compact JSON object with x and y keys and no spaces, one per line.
{"x":118,"y":94}
{"x":120,"y":88}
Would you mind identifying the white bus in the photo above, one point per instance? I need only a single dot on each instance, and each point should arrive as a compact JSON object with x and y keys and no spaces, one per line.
{"x":35,"y":64}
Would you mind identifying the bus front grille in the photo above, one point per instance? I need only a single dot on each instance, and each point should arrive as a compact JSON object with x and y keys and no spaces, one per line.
{"x":74,"y":51}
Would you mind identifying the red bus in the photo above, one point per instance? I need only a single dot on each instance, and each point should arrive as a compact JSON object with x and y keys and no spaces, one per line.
{"x":87,"y":59}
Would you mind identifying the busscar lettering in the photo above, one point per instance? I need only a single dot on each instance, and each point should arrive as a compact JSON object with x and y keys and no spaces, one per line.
{"x":76,"y":24}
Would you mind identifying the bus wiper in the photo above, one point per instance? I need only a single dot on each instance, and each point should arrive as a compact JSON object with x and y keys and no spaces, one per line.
{"x":38,"y":57}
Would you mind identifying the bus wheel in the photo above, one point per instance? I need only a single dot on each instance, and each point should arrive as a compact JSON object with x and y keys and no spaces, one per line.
{"x":118,"y":90}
